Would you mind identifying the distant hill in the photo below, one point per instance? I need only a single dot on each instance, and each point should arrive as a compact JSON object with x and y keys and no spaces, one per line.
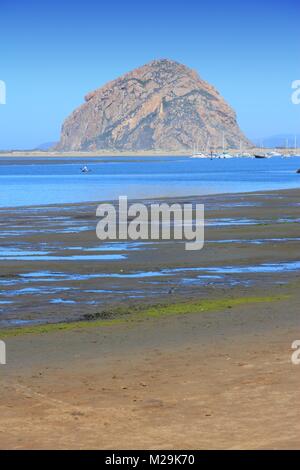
{"x":279,"y":141}
{"x":163,"y":105}
{"x":46,"y":146}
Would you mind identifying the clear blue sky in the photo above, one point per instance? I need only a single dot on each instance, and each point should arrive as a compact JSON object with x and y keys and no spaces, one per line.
{"x":53,"y":53}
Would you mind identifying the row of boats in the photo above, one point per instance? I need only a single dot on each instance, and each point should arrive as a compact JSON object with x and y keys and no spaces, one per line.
{"x":213,"y":155}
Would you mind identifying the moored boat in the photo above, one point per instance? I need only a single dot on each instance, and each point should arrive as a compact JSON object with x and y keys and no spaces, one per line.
{"x":85,"y":169}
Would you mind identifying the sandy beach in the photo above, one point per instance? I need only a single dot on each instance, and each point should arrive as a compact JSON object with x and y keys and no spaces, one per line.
{"x":162,"y":349}
{"x":140,"y":153}
{"x":208,"y":380}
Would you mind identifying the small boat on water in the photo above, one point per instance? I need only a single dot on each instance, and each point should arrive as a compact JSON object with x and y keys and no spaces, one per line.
{"x":245,"y":155}
{"x":200,"y":155}
{"x":85,"y":169}
{"x":268,"y":155}
{"x":225,"y":155}
{"x":275,"y":154}
{"x":262,"y":156}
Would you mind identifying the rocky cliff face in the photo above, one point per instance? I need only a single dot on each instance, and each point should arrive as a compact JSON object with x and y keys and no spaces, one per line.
{"x":161,"y":106}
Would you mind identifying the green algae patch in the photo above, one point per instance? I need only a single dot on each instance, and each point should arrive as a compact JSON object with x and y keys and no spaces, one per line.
{"x":137,"y":313}
{"x":205,"y":306}
{"x":53,"y":327}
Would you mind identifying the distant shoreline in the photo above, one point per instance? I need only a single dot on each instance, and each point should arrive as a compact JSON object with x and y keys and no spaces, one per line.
{"x":100,"y":153}
{"x":148,"y":153}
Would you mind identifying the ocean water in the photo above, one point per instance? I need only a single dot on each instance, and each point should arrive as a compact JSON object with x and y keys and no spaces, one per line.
{"x":32,"y":181}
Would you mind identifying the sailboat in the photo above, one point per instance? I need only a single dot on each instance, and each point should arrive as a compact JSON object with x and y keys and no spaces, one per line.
{"x":224,"y":154}
{"x":197,"y":154}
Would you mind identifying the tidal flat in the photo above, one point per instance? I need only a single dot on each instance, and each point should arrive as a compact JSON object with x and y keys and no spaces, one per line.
{"x":53,"y":268}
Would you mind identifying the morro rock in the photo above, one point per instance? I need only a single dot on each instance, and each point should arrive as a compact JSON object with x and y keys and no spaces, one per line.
{"x":163,"y":105}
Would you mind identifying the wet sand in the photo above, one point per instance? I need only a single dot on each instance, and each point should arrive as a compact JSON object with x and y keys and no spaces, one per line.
{"x":208,"y":379}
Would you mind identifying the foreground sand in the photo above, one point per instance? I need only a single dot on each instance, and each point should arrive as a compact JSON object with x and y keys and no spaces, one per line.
{"x":209,"y":380}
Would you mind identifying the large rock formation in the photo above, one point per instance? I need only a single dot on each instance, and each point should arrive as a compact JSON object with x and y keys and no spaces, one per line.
{"x":161,"y":106}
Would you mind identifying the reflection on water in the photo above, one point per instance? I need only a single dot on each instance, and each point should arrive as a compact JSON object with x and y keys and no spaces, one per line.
{"x":48,"y":276}
{"x":63,"y":258}
{"x":62,"y":301}
{"x":256,"y":241}
{"x":260,"y":268}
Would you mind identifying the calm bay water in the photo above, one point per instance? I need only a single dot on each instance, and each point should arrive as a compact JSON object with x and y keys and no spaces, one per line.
{"x":32,"y":181}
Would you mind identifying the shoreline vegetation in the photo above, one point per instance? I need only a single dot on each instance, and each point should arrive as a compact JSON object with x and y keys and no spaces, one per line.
{"x":139,"y":313}
{"x":150,"y":153}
